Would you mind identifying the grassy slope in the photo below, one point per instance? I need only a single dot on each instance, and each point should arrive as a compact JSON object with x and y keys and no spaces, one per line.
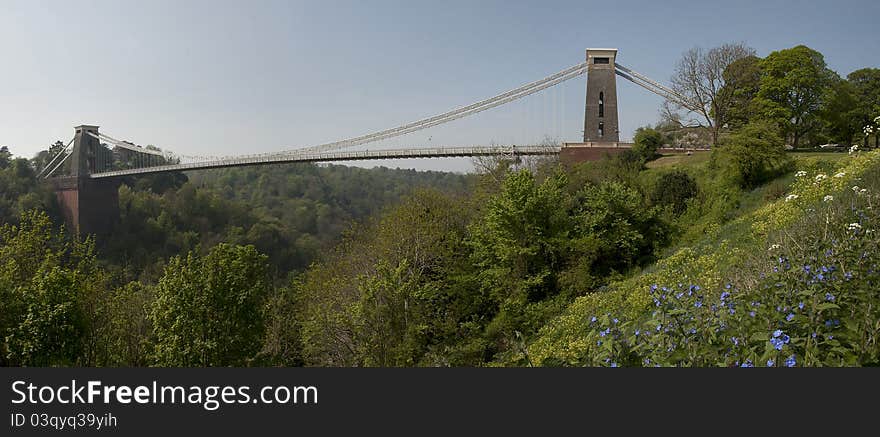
{"x":707,"y":254}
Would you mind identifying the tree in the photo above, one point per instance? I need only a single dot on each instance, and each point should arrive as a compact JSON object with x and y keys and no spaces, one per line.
{"x":793,"y":89}
{"x":755,"y":153}
{"x":742,"y":81}
{"x":646,"y":143}
{"x":699,"y":78}
{"x":48,"y":286}
{"x":866,"y":89}
{"x":208,"y":309}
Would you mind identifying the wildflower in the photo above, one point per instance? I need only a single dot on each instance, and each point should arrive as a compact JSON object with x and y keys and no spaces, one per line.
{"x":638,"y":332}
{"x":698,"y":304}
{"x":790,"y":361}
{"x":615,"y":365}
{"x":789,"y":317}
{"x":725,"y":295}
{"x":735,"y":341}
{"x":748,"y":363}
{"x":855,"y":147}
{"x":615,"y":320}
{"x":777,"y":343}
{"x":791,"y":197}
{"x":801,"y":306}
{"x":593,"y":319}
{"x":777,"y":333}
{"x":853,"y":227}
{"x":828,"y":198}
{"x":774,"y":247}
{"x":863,"y":191}
{"x":751,"y":314}
{"x":800,"y":174}
{"x":821,"y":177}
{"x":770,"y":362}
{"x":855,"y":188}
{"x":840,"y":175}
{"x":829,"y":297}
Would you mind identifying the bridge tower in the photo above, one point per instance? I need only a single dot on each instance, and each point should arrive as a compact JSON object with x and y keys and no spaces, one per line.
{"x":89,"y":206}
{"x":600,"y":114}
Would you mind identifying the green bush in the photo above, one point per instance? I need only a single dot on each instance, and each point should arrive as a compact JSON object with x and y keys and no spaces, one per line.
{"x":754,"y":154}
{"x":646,"y":143}
{"x":674,"y":189}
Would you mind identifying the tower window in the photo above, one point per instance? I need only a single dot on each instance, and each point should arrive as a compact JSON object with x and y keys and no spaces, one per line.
{"x":601,"y":129}
{"x":601,"y":60}
{"x":601,"y":104}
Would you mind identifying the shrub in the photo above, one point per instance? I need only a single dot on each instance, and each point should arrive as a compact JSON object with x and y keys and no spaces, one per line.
{"x":755,"y":154}
{"x":673,"y":189}
{"x":647,"y":141}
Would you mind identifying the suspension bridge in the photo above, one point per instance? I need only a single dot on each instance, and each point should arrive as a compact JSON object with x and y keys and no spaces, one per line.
{"x":86,"y":172}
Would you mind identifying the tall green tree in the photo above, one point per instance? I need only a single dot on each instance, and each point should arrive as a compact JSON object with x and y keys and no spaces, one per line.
{"x":208,"y":309}
{"x":742,"y":81}
{"x":794,"y":87}
{"x":866,"y":88}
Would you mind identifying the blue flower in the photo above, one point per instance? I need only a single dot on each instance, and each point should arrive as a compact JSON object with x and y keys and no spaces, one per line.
{"x":820,"y":277}
{"x":613,"y":364}
{"x":751,"y":313}
{"x":727,"y":286}
{"x":698,"y":304}
{"x":777,"y":333}
{"x":807,"y":268}
{"x":748,"y":363}
{"x":770,"y":362}
{"x":829,"y":297}
{"x":659,"y":327}
{"x":615,"y":320}
{"x":653,"y":287}
{"x":735,"y":341}
{"x":785,"y":339}
{"x":813,"y":335}
{"x":789,"y":317}
{"x":732,"y":311}
{"x":790,"y":361}
{"x":801,"y":306}
{"x":593,"y":319}
{"x":777,"y":343}
{"x":725,"y":295}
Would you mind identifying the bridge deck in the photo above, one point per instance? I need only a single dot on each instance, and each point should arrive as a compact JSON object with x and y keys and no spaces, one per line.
{"x":439,"y":152}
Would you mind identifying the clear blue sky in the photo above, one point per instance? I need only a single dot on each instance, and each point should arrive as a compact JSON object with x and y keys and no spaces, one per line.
{"x":232,"y":77}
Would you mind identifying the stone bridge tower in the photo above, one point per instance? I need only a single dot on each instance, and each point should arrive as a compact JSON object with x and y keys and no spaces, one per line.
{"x":89,"y":206}
{"x":600,"y":115}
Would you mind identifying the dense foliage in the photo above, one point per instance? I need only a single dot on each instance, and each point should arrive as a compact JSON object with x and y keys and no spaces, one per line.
{"x":743,"y":256}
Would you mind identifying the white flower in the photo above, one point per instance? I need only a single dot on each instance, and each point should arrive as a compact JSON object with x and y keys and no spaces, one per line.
{"x":840,"y":175}
{"x":828,"y":198}
{"x":863,"y":191}
{"x":791,"y":197}
{"x":854,"y":148}
{"x":877,"y":119}
{"x":821,"y":177}
{"x":774,"y":247}
{"x":869,"y":130}
{"x":800,"y":174}
{"x":855,"y":188}
{"x":853,"y":226}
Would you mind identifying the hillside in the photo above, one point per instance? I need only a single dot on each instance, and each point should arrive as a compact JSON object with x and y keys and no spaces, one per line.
{"x":775,"y":285}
